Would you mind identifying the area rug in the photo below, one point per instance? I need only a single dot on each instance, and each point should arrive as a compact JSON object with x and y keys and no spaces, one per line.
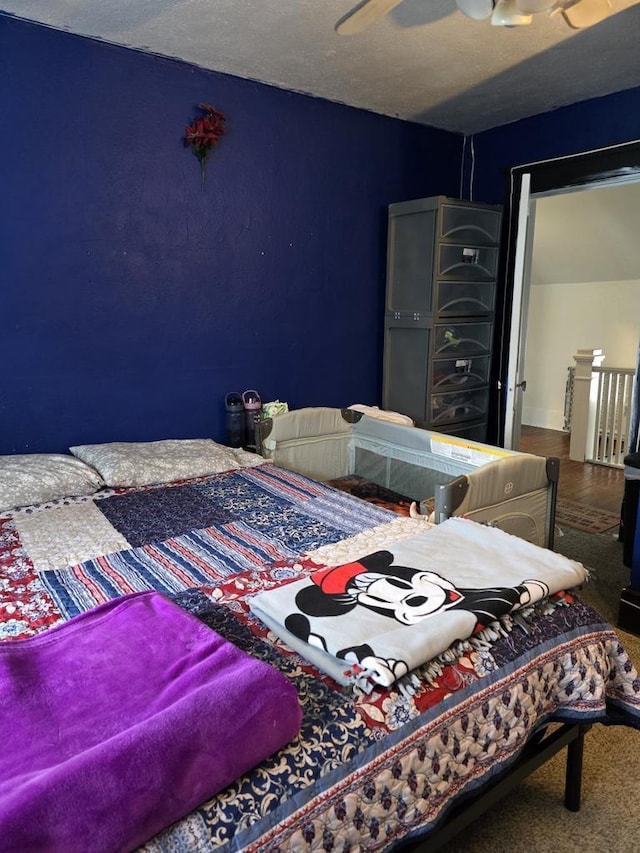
{"x":601,"y":553}
{"x":582,"y":517}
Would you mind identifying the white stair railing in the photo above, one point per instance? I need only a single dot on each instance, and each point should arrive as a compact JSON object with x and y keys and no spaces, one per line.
{"x":598,"y":410}
{"x":612,"y":423}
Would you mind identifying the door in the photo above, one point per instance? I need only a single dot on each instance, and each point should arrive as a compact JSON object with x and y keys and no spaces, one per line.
{"x":516,"y":375}
{"x":619,"y":163}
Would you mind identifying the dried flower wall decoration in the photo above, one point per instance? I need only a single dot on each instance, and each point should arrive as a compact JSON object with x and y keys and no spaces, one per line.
{"x":203,"y":134}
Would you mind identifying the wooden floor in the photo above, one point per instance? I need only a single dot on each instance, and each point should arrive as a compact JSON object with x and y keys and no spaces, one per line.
{"x":593,"y":485}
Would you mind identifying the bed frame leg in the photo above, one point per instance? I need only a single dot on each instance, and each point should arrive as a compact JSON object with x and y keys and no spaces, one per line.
{"x":573,"y":779}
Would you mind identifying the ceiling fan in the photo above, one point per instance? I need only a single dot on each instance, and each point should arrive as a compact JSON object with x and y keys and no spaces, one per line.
{"x":503,"y":13}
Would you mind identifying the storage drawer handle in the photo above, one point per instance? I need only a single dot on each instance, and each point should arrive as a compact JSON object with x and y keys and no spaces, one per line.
{"x":460,"y":379}
{"x":464,"y":300}
{"x":475,"y":267}
{"x":458,"y":342}
{"x":455,"y":413}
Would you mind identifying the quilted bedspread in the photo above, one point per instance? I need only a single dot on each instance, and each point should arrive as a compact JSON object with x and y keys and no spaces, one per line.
{"x":372,"y":771}
{"x":63,"y":558}
{"x":368,"y":771}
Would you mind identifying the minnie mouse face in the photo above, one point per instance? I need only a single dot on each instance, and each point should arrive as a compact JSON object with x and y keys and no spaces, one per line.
{"x":400,"y":593}
{"x":406,"y":599}
{"x":405,"y":594}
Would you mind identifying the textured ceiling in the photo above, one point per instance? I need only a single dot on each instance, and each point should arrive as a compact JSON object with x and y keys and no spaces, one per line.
{"x":424,"y":62}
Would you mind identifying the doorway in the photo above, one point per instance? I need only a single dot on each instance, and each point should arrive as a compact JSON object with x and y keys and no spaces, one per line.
{"x":584,"y":292}
{"x":605,"y":167}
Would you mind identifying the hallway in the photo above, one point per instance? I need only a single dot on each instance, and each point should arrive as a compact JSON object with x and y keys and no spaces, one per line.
{"x":593,"y":485}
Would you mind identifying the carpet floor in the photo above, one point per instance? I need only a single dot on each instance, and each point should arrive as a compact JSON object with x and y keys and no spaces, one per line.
{"x":601,"y":554}
{"x":533,"y":817}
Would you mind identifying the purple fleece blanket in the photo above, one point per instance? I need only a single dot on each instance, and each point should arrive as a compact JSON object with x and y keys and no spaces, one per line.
{"x":124,"y":719}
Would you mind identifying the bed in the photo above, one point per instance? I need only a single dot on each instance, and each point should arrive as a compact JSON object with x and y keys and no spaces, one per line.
{"x":371,"y":767}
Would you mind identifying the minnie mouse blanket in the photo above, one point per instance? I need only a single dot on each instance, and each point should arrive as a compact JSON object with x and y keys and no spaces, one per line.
{"x":373,"y":621}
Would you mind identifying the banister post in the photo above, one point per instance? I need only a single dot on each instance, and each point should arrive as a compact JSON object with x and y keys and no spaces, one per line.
{"x":584,"y":402}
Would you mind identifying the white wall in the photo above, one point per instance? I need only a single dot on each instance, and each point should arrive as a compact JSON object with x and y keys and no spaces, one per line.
{"x":584,"y":290}
{"x":564,"y":318}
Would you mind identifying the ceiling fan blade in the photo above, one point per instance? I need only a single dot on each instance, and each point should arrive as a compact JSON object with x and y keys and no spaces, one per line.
{"x":507,"y":14}
{"x":364,"y":15}
{"x":585,"y":13}
{"x":476,"y":9}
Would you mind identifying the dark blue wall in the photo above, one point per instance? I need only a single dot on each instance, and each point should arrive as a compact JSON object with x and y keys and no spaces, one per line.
{"x":593,"y":125}
{"x":586,"y":126}
{"x":132,"y":300}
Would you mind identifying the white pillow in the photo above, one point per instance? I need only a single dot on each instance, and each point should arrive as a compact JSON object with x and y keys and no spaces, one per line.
{"x":142,"y":463}
{"x":34,"y":478}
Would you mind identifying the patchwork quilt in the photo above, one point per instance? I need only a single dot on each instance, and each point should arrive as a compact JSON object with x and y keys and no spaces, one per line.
{"x":369,"y":770}
{"x":84,"y":551}
{"x":373,"y":771}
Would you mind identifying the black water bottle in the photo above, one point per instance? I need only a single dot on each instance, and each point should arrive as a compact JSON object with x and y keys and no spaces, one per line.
{"x":234,"y":419}
{"x":252,"y":414}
